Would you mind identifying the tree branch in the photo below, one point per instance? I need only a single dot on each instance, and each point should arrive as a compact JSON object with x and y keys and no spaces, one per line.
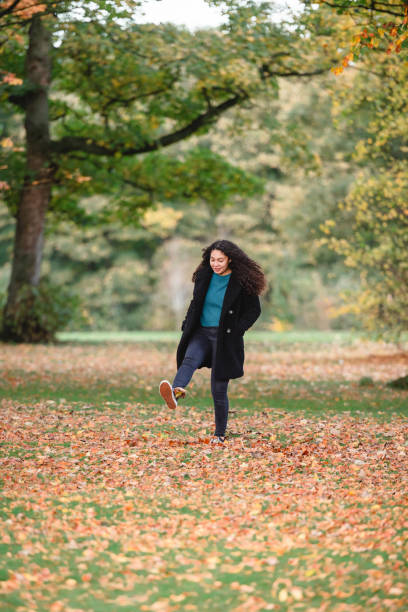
{"x":373,"y":7}
{"x":10,"y":8}
{"x":73,"y":143}
{"x":295,"y":73}
{"x":126,"y":101}
{"x":77,"y":143}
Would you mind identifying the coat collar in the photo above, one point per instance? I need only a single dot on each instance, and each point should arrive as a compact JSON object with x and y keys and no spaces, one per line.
{"x":202,"y":282}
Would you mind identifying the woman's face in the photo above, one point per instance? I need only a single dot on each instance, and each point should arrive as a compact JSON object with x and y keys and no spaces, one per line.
{"x":219,"y":262}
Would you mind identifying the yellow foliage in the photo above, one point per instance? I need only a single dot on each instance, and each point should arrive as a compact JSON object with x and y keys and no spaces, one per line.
{"x":6,"y":143}
{"x":164,"y":217}
{"x":323,"y":227}
{"x":279,"y":326}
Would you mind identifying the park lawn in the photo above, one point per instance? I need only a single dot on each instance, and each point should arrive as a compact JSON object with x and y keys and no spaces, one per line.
{"x":258,"y":336}
{"x":111,"y":502}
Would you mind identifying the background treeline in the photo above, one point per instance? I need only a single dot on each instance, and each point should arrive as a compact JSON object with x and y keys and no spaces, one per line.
{"x":139,"y":277}
{"x":307,"y":171}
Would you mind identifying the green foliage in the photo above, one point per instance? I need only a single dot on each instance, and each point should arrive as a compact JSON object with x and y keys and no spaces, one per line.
{"x":121,"y":90}
{"x":375,"y":208}
{"x":121,"y":93}
{"x":139,"y":276}
{"x":125,"y":91}
{"x":110,"y":267}
{"x":366,"y":381}
{"x":39,"y":313}
{"x":280,"y":227}
{"x":270,"y":176}
{"x":399,"y":383}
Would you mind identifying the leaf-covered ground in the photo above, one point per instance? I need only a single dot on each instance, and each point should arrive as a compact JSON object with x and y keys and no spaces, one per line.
{"x":110,"y":502}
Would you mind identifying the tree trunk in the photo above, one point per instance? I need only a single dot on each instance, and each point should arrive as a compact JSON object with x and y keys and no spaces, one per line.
{"x":35,"y":195}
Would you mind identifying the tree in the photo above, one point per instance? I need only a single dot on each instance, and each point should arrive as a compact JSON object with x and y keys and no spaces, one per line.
{"x":120,"y":94}
{"x":304,"y":162}
{"x":376,"y":205}
{"x":373,"y":95}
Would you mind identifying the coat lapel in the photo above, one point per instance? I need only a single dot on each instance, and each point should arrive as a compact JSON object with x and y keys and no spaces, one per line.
{"x":201,"y":287}
{"x":231,"y":293}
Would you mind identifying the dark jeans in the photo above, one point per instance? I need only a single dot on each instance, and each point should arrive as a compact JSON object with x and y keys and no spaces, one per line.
{"x":204,"y":342}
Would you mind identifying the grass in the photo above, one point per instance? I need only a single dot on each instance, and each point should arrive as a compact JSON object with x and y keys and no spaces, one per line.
{"x":292,"y":396}
{"x":109,"y":502}
{"x":264,"y":337}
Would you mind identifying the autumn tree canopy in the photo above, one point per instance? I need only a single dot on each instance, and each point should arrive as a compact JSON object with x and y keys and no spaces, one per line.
{"x":374,"y":24}
{"x":102,"y":97}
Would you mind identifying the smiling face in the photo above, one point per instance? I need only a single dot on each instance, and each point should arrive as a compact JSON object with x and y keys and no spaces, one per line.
{"x":219,"y":262}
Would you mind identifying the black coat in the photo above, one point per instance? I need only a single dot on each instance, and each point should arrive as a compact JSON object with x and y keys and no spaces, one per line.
{"x":239,"y":312}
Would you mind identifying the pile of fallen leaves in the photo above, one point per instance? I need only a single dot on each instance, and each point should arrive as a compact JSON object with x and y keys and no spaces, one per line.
{"x":122,"y":505}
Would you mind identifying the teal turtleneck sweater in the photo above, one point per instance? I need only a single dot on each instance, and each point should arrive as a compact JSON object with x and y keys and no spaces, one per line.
{"x":210,"y":315}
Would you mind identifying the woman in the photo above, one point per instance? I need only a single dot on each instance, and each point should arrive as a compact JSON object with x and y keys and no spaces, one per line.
{"x":225,"y":304}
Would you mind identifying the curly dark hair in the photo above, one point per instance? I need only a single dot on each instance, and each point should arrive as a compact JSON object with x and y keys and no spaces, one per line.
{"x":246,"y":270}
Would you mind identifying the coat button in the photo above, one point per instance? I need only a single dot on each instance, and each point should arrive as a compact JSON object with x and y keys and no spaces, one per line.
{"x":231,"y":312}
{"x":228,"y":331}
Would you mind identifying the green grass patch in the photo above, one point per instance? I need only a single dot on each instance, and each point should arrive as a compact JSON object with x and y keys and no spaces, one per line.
{"x":298,"y":396}
{"x":253,"y":336}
